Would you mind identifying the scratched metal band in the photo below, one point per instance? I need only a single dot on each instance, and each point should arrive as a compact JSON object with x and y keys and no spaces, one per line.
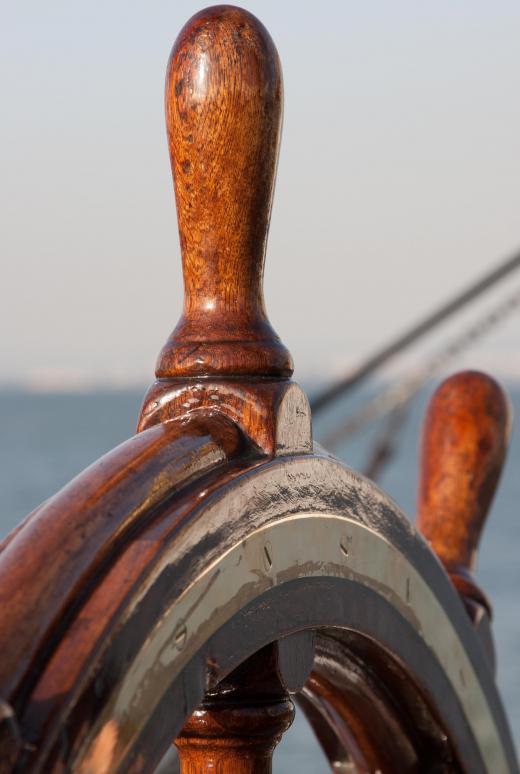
{"x":302,"y":545}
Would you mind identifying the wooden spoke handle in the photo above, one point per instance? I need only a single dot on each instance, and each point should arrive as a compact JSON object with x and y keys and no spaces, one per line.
{"x":463,"y":449}
{"x":223,"y":111}
{"x":239,"y":723}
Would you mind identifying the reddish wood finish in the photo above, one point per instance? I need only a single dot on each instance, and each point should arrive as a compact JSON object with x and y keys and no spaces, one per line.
{"x":262,"y":408}
{"x":233,"y":738}
{"x":224,"y":112}
{"x":71,"y":537}
{"x":85,"y":580}
{"x":366,"y":713}
{"x":463,"y":449}
{"x":238,"y":725}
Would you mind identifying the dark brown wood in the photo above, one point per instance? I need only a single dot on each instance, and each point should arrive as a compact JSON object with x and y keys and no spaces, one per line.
{"x":463,"y":449}
{"x":62,"y":549}
{"x":101,"y":665}
{"x":366,"y":713}
{"x":10,"y":737}
{"x":224,"y":112}
{"x":107,"y":630}
{"x":238,"y":725}
{"x":264,"y":409}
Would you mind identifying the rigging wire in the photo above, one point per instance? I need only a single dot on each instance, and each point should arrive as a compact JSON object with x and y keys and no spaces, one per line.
{"x":386,"y":353}
{"x":398,"y":396}
{"x":386,"y":445}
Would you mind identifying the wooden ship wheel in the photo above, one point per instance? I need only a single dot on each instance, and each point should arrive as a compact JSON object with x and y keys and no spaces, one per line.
{"x":190,"y":584}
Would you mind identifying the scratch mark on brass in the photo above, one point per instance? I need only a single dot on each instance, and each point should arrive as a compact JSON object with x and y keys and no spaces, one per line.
{"x":306,"y":546}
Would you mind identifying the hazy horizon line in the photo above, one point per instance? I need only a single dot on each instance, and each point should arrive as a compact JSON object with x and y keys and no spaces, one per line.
{"x":310,"y":382}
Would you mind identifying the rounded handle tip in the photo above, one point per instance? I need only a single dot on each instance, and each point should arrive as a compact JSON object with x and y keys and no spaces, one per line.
{"x":224,"y":112}
{"x":464,"y":444}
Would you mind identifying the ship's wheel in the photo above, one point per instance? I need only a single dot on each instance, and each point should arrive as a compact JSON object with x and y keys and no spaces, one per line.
{"x":192,"y":582}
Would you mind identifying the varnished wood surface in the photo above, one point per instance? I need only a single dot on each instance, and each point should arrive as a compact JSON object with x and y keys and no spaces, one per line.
{"x":88,"y":664}
{"x":273,"y":413}
{"x":366,"y":713}
{"x":46,"y":566}
{"x":238,"y":725}
{"x":224,"y":110}
{"x":97,"y":673}
{"x":464,"y":444}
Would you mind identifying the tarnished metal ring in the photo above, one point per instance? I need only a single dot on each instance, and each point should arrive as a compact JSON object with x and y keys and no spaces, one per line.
{"x":287,"y":522}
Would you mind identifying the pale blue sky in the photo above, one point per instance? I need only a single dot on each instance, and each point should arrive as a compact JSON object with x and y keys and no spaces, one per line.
{"x":399,"y":178}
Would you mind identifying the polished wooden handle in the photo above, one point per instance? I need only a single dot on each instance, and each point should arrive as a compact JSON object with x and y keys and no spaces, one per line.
{"x":240,"y":722}
{"x":224,"y":109}
{"x":463,"y":448}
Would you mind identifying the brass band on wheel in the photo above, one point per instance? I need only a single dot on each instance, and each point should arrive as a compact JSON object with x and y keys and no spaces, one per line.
{"x":301,"y":545}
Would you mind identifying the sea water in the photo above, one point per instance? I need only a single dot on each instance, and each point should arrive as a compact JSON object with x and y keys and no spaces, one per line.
{"x":46,"y":439}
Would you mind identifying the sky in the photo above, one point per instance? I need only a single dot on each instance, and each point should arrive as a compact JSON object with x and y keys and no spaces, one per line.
{"x":398,"y":181}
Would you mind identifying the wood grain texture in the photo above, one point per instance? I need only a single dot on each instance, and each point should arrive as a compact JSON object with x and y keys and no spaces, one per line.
{"x":273,"y":413}
{"x":366,"y":714}
{"x":224,"y":112}
{"x":89,"y":580}
{"x":463,"y":450}
{"x":63,"y":549}
{"x":239,"y":724}
{"x":132,"y":595}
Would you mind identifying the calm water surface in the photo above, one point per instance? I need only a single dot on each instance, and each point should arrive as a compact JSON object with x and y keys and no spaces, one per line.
{"x":47,"y":439}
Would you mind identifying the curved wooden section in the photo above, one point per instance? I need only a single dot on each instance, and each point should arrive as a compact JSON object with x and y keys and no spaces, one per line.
{"x":51,"y":564}
{"x":179,"y":588}
{"x":211,"y":579}
{"x":367,"y":712}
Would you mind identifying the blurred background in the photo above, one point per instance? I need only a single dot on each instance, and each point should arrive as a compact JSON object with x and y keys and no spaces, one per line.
{"x":398,"y":186}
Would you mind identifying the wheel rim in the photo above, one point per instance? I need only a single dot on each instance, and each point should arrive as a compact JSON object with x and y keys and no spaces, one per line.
{"x":168,"y":656}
